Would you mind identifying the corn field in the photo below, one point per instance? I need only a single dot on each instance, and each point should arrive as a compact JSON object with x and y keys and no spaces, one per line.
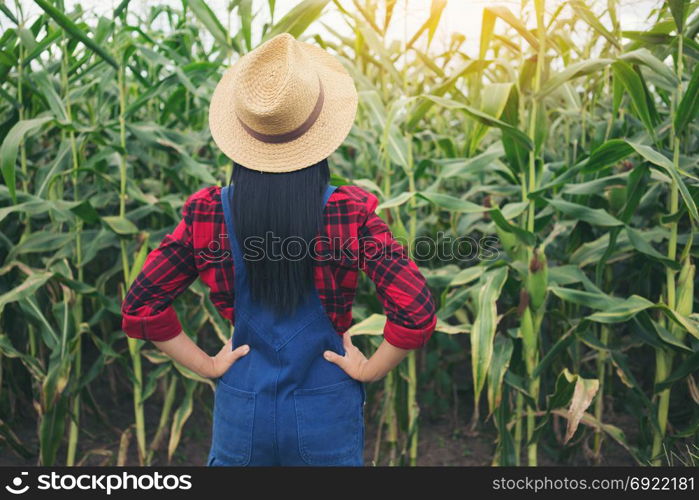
{"x":568,"y":143}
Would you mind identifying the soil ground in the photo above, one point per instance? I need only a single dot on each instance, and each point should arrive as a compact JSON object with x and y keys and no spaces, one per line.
{"x":445,"y":441}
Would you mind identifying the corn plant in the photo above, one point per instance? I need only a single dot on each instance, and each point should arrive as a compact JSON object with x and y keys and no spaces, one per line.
{"x":565,"y":145}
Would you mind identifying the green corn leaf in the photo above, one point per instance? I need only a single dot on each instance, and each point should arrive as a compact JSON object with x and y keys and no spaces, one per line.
{"x":10,"y":147}
{"x":622,"y":311}
{"x":48,"y":333}
{"x":180,"y":418}
{"x":688,"y":108}
{"x":594,"y":216}
{"x":376,"y":45}
{"x":48,"y":92}
{"x":121,"y":8}
{"x":635,"y":86}
{"x":561,"y":344}
{"x":591,"y":252}
{"x":520,"y":385}
{"x":593,"y":300}
{"x":563,"y":391}
{"x":298,"y":19}
{"x":569,"y":274}
{"x":86,"y":212}
{"x":369,"y":18}
{"x":153,"y":378}
{"x":670,"y":339}
{"x":52,"y":430}
{"x":436,"y":9}
{"x":396,"y":201}
{"x":60,"y":162}
{"x":430,"y":25}
{"x":444,"y":327}
{"x":623,"y":370}
{"x":517,"y":155}
{"x":645,"y":57}
{"x":666,"y":164}
{"x":505,"y":452}
{"x":502,"y":352}
{"x":640,"y":244}
{"x":206,"y":16}
{"x":139,"y":260}
{"x":8,"y":350}
{"x":512,"y":210}
{"x":679,"y":10}
{"x":466,"y":276}
{"x":487,"y":29}
{"x":424,"y":105}
{"x":484,"y":326}
{"x":120,"y":225}
{"x":595,"y":186}
{"x":573,"y":71}
{"x":370,"y":100}
{"x":451,"y":203}
{"x":393,"y":141}
{"x":390,"y":6}
{"x":592,"y":19}
{"x":8,"y":13}
{"x":42,"y":241}
{"x":645,"y":329}
{"x":75,"y":32}
{"x":522,"y":235}
{"x":464,"y":167}
{"x":484,"y":118}
{"x":690,"y":365}
{"x":27,"y":288}
{"x":636,"y":187}
{"x":506,"y":15}
{"x":245,"y":12}
{"x":372,"y":325}
{"x":493,"y":99}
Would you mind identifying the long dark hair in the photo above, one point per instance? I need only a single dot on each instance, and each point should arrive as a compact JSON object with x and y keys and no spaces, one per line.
{"x":288,"y":207}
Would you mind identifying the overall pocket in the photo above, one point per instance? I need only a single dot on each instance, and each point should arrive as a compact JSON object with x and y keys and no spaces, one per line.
{"x":330,"y":423}
{"x":234,"y":412}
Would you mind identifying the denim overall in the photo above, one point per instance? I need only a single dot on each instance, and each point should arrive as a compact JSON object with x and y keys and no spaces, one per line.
{"x":283,"y":403}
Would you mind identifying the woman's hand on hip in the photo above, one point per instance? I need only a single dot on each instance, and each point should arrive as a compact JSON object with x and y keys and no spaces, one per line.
{"x":357,"y":366}
{"x":221,"y":362}
{"x":185,"y":351}
{"x":354,"y":363}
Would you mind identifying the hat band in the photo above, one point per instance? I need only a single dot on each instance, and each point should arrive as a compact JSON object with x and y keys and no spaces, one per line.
{"x":293,"y":134}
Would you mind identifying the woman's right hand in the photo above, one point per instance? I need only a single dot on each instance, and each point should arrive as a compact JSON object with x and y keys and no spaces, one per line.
{"x":357,"y":366}
{"x":221,"y":362}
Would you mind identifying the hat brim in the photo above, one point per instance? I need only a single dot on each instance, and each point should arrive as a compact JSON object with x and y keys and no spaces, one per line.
{"x":323,"y":137}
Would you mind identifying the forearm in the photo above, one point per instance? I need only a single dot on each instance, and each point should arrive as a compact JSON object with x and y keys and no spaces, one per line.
{"x":183,"y":350}
{"x":384,"y":359}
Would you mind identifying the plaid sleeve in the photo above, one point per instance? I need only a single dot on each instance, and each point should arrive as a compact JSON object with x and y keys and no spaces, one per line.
{"x":169,"y":269}
{"x":401,"y":288}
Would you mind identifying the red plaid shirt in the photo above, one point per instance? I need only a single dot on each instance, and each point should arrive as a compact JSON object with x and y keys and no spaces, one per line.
{"x":356,"y":238}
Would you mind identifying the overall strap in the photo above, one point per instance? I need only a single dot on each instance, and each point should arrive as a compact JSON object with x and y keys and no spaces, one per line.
{"x":328,"y":191}
{"x":226,"y":193}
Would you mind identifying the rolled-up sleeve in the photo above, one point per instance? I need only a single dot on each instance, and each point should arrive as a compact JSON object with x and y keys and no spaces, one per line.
{"x":401,"y":288}
{"x":147,"y":312}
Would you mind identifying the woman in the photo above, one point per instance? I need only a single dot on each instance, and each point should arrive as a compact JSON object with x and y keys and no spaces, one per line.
{"x":280,"y":250}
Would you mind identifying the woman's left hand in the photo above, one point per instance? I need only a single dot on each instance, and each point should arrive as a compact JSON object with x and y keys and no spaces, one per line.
{"x":354,"y":363}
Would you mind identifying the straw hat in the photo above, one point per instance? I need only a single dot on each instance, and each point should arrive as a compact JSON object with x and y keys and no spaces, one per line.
{"x":284,"y":106}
